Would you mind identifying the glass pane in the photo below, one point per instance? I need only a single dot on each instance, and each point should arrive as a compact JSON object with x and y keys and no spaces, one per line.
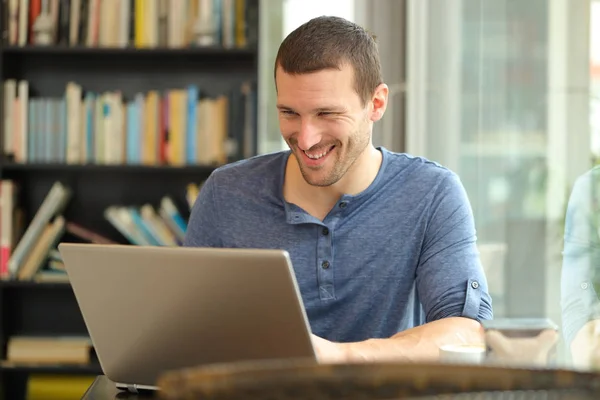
{"x":504,"y":91}
{"x":503,"y":139}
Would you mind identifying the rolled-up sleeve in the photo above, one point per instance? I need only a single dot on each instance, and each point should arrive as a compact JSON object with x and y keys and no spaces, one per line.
{"x":450,"y":279}
{"x":581,"y":256}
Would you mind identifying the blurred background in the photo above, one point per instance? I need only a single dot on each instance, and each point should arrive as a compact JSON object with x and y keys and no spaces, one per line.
{"x":504,"y":92}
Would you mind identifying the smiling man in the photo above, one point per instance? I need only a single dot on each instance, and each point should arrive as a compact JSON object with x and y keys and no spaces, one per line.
{"x":383,"y":244}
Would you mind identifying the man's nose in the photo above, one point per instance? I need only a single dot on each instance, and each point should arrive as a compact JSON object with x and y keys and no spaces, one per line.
{"x":308,"y":136}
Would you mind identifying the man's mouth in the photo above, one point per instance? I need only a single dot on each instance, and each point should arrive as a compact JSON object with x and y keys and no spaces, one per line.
{"x":319,"y":153}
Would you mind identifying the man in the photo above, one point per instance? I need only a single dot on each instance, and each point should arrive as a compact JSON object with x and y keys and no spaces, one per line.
{"x":580,"y":279}
{"x":383,"y":244}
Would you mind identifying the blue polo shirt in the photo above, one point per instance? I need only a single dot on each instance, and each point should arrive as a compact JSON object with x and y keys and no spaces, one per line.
{"x":401,"y":253}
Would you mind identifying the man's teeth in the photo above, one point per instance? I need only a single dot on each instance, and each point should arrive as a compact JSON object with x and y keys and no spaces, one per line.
{"x":316,"y":156}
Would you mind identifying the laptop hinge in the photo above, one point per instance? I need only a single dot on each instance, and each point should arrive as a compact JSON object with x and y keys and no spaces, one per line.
{"x":132,"y":388}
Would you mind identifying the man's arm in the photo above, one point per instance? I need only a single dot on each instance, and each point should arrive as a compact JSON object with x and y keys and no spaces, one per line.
{"x":581,"y":260}
{"x":421,"y":343}
{"x":450,"y":281}
{"x":579,"y":302}
{"x":450,"y":278}
{"x":203,"y":224}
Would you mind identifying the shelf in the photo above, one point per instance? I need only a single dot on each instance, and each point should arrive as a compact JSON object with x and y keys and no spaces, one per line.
{"x":33,"y":284}
{"x":58,"y":167}
{"x":91,"y":369}
{"x":142,"y":68}
{"x":128,"y":51}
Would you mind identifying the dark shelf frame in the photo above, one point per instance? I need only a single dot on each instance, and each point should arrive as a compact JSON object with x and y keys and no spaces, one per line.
{"x":47,"y":308}
{"x":18,"y":284}
{"x":120,"y":168}
{"x":90,"y":369}
{"x":116,"y":51}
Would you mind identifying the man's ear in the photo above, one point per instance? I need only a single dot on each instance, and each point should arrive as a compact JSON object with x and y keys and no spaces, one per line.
{"x":379,"y":102}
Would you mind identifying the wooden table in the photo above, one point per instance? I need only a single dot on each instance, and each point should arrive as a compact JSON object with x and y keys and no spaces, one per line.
{"x":290,"y":380}
{"x":104,"y":389}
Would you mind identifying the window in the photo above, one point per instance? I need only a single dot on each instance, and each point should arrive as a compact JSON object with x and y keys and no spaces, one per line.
{"x":499,"y":91}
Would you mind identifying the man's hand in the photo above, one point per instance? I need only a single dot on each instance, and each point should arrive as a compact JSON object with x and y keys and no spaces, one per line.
{"x":329,"y":352}
{"x":416,"y":344}
{"x":585,"y":348}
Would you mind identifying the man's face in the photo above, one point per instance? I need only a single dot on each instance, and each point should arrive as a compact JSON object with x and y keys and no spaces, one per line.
{"x":323,"y":122}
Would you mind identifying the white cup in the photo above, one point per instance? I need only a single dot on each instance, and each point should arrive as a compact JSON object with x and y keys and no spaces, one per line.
{"x":463,"y":353}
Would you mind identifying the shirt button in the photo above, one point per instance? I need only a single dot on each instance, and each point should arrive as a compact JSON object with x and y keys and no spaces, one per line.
{"x":584,"y":285}
{"x":343,"y":204}
{"x":474,"y":284}
{"x":325,"y":264}
{"x":325,"y":231}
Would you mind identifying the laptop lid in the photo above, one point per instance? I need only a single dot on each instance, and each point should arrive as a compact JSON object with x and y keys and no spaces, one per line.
{"x":151,"y":309}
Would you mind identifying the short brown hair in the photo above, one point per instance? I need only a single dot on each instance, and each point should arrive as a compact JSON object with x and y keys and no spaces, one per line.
{"x":329,"y":42}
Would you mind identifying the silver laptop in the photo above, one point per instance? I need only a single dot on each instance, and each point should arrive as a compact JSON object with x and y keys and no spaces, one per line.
{"x":153,"y":309}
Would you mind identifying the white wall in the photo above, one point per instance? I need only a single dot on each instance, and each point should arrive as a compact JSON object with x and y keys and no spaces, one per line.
{"x":387,"y":20}
{"x":297,"y":12}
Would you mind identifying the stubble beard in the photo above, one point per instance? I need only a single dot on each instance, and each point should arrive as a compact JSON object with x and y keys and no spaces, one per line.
{"x":335,"y":175}
{"x":342,"y":162}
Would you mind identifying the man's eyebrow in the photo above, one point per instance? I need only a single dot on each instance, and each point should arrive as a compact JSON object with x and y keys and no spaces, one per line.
{"x":283,"y":107}
{"x":332,"y":109}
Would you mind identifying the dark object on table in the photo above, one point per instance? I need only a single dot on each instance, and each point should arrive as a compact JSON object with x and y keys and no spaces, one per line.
{"x":104,"y":389}
{"x":523,"y":342}
{"x":519,"y":327}
{"x":300,"y":379}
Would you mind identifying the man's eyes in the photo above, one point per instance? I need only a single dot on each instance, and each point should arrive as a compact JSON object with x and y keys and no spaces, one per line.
{"x":320,"y":114}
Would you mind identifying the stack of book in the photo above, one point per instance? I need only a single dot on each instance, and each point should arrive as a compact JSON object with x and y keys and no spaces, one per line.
{"x":132,"y":23}
{"x":30,"y":253}
{"x":175,"y":127}
{"x":48,"y":350}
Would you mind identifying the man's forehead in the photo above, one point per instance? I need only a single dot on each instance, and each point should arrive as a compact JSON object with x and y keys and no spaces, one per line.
{"x":322,"y":83}
{"x":346,"y":73}
{"x":312,"y":98}
{"x":316,"y":107}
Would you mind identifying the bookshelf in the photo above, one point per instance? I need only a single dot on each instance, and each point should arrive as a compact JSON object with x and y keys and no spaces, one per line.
{"x":103,"y":167}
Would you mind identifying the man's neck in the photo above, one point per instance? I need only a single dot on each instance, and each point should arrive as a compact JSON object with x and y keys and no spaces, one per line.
{"x":356,"y":180}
